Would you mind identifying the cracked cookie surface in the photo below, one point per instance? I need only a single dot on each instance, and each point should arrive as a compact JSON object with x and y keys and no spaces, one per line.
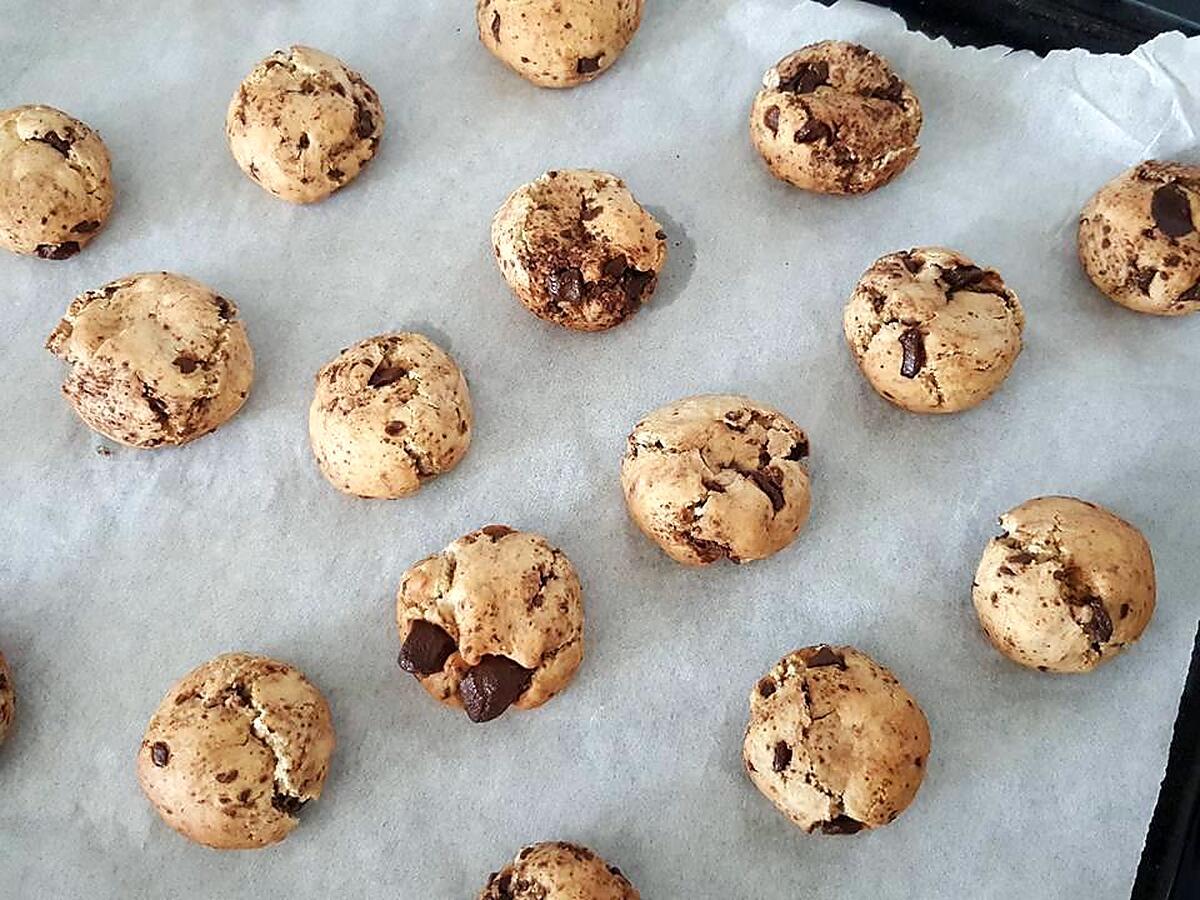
{"x":494,"y":620}
{"x":1138,"y":239}
{"x":8,"y":698}
{"x":835,"y":741}
{"x":557,"y":870}
{"x":302,"y":124}
{"x":933,"y":332}
{"x":1067,"y":586}
{"x":833,"y":117}
{"x":717,"y":476}
{"x":155,"y":359}
{"x":235,"y":749}
{"x":56,"y":188}
{"x":578,"y":250}
{"x":388,"y":414}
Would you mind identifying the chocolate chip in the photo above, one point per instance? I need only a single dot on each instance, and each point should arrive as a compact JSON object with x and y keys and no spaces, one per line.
{"x":799,"y":451}
{"x":85,"y":227}
{"x":491,"y":687}
{"x":156,"y":404}
{"x":892,"y":91}
{"x":1191,"y":295}
{"x":771,"y":119}
{"x":807,"y":78}
{"x":186,"y":363}
{"x":766,"y":687}
{"x":335,"y":174}
{"x":1143,"y":278}
{"x":587,"y":213}
{"x":1172,"y":211}
{"x":913,"y":343}
{"x":912,"y":262}
{"x":660,"y":235}
{"x":587,"y":65}
{"x":813,"y":130}
{"x":842,"y":825}
{"x":1099,"y":627}
{"x":765,"y":480}
{"x":496,"y":531}
{"x":385,"y":375}
{"x":782,"y":757}
{"x":496,"y":27}
{"x":364,"y":122}
{"x":825,"y":656}
{"x":1124,"y":611}
{"x":58,"y":143}
{"x":287,"y":804}
{"x":1022,"y":558}
{"x":615,"y":267}
{"x":426,"y":648}
{"x":224,"y":308}
{"x":303,"y":142}
{"x":961,"y":277}
{"x":65,"y":250}
{"x":394,"y":429}
{"x":636,"y":283}
{"x":565,"y":285}
{"x":227,"y":777}
{"x":160,"y":753}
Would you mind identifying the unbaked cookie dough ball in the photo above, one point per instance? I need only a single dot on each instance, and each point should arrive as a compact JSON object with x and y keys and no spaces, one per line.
{"x":833,"y":117}
{"x":235,"y":750}
{"x":557,"y":43}
{"x":303,"y":125}
{"x":155,"y":359}
{"x":1067,"y":586}
{"x":717,"y":476}
{"x":1138,"y":240}
{"x":835,"y":741}
{"x":933,"y":332}
{"x":388,"y":414}
{"x":557,"y":870}
{"x":56,"y":186}
{"x":8,"y":699}
{"x":494,"y":620}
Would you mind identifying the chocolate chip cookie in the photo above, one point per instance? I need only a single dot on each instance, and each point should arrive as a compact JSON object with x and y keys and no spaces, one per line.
{"x":717,"y":476}
{"x":1138,"y":240}
{"x":557,"y":870}
{"x":833,"y":117}
{"x":56,"y":187}
{"x":155,"y":359}
{"x":235,"y":750}
{"x":494,"y":620}
{"x":1065,"y":587}
{"x":835,"y":741}
{"x":578,"y":250}
{"x":933,"y":332}
{"x":388,"y":414}
{"x":8,"y":698}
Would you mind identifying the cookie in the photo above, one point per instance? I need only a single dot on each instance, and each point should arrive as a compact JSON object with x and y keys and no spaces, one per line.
{"x":303,"y":125}
{"x":557,"y":43}
{"x":1138,"y":240}
{"x":835,"y":741}
{"x":557,"y":870}
{"x":155,"y":359}
{"x":1065,"y":587}
{"x":56,"y":187}
{"x":235,"y":750}
{"x":578,"y":250}
{"x":717,"y":476}
{"x":933,"y":332}
{"x":388,"y":414}
{"x":8,"y":699}
{"x":494,"y":620}
{"x":833,"y":117}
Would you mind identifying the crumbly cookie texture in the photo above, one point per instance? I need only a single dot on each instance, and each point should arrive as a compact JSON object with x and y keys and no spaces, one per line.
{"x":236,"y":748}
{"x":717,"y":476}
{"x":578,"y":250}
{"x":8,"y":699}
{"x":494,"y":620}
{"x":557,"y":43}
{"x":933,"y":332}
{"x":56,"y":189}
{"x":556,"y":870}
{"x":1138,"y":240}
{"x":835,"y":741}
{"x":303,"y":125}
{"x":388,"y":414}
{"x":155,"y":359}
{"x":1065,"y":587}
{"x":833,"y":117}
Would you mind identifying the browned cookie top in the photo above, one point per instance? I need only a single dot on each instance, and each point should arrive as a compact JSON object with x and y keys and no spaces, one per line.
{"x":557,"y":870}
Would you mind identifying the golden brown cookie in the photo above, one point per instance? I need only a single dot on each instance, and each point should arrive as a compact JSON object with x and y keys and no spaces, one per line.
{"x":556,"y":870}
{"x":8,"y":699}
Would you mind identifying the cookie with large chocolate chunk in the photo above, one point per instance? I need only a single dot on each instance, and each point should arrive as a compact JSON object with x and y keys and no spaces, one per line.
{"x":556,"y":870}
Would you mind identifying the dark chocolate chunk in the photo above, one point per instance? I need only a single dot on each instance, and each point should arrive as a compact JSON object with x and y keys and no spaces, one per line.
{"x":496,"y":531}
{"x":799,"y":451}
{"x":1172,"y":211}
{"x":660,"y":235}
{"x":287,"y":804}
{"x":224,"y":308}
{"x":65,"y":250}
{"x":426,"y":648}
{"x":85,"y":227}
{"x":160,"y":753}
{"x":587,"y":64}
{"x":771,"y":119}
{"x":1022,"y":558}
{"x":394,"y":429}
{"x":782,"y":757}
{"x":892,"y":91}
{"x":565,"y":285}
{"x":913,"y":344}
{"x":961,"y":277}
{"x":813,"y":130}
{"x":58,"y":143}
{"x":496,"y":27}
{"x":842,"y":825}
{"x":766,"y":688}
{"x":227,"y":777}
{"x":912,"y":262}
{"x":364,"y":122}
{"x":615,"y":267}
{"x":1099,"y":627}
{"x":636,"y":283}
{"x":807,"y":78}
{"x":825,"y":656}
{"x":186,"y":363}
{"x":1191,"y":295}
{"x":1143,"y":278}
{"x":491,"y":687}
{"x":385,"y":375}
{"x":303,"y":142}
{"x":766,"y":480}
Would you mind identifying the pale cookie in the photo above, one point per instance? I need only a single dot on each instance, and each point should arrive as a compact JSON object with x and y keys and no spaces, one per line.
{"x":1067,"y":586}
{"x":578,"y":250}
{"x":303,"y":125}
{"x":717,"y":476}
{"x":235,"y":750}
{"x":835,"y":741}
{"x":933,"y":332}
{"x":388,"y":414}
{"x":556,"y":870}
{"x":557,"y":43}
{"x":494,"y":620}
{"x":1138,"y":240}
{"x":8,"y":699}
{"x":155,"y":359}
{"x":56,"y":186}
{"x":833,"y":117}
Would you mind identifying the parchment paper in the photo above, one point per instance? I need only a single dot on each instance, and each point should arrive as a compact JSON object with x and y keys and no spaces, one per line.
{"x":120,"y":572}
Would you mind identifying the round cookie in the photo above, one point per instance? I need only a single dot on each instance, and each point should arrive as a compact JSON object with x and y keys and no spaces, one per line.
{"x":717,"y":476}
{"x":931,"y":331}
{"x":388,"y":414}
{"x":578,"y":250}
{"x":302,"y":125}
{"x":235,"y":750}
{"x":557,"y":43}
{"x":1067,"y":586}
{"x":556,"y":870}
{"x":833,"y":117}
{"x":8,"y":699}
{"x":56,"y":186}
{"x":1138,"y":240}
{"x":494,"y":620}
{"x":835,"y":741}
{"x":155,"y":359}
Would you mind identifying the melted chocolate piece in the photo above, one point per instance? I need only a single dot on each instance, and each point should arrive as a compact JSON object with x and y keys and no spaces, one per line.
{"x":426,"y":648}
{"x":1172,"y":211}
{"x":493,"y":686}
{"x":913,"y":344}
